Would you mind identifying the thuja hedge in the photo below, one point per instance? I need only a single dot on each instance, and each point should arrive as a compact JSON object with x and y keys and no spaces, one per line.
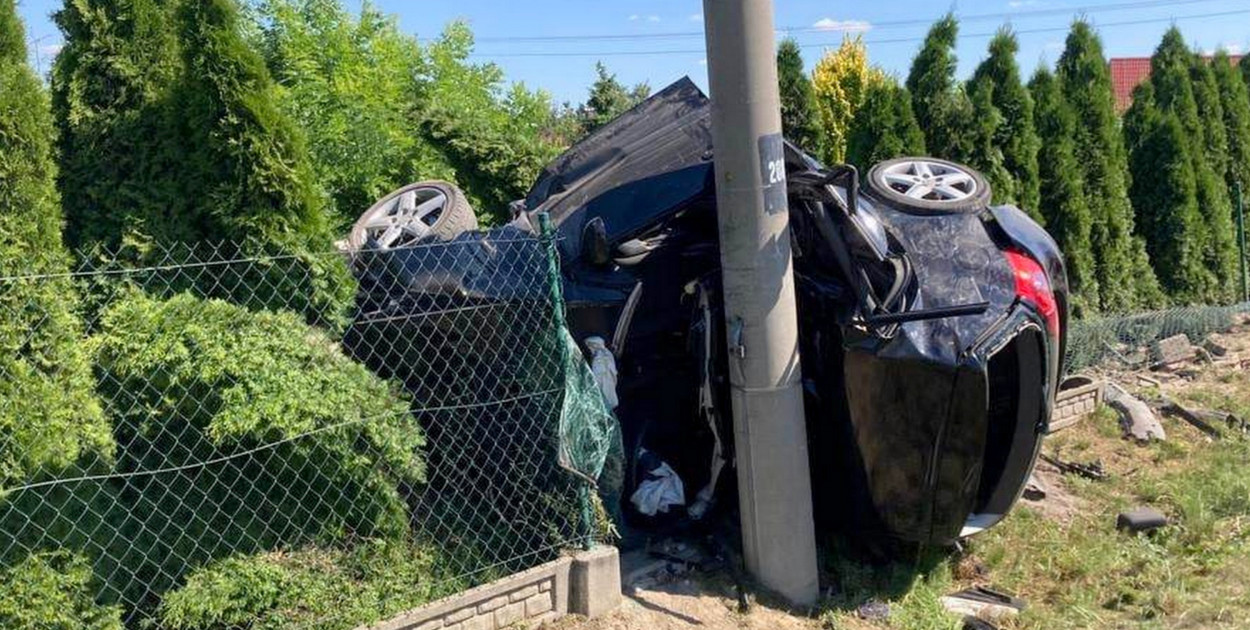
{"x":267,"y":437}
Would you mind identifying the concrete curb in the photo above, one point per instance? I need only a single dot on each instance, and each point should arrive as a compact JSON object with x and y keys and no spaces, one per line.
{"x":585,"y":583}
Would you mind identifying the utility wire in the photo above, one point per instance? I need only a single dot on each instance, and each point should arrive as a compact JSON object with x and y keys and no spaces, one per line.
{"x":976,"y":17}
{"x":897,"y":40}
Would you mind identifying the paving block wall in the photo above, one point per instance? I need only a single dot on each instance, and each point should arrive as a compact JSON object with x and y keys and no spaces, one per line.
{"x":540,"y":594}
{"x":1073,"y":404}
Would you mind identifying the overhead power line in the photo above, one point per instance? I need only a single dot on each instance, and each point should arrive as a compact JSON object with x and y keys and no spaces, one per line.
{"x":898,"y":40}
{"x":891,"y":24}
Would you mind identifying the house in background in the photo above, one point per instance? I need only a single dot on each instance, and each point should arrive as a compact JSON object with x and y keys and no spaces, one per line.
{"x":1127,"y":72}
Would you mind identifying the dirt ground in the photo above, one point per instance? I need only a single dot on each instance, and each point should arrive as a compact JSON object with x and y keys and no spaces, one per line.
{"x":689,"y":603}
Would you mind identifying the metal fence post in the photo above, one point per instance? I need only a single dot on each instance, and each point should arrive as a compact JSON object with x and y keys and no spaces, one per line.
{"x":556,"y":286}
{"x":1241,"y":240}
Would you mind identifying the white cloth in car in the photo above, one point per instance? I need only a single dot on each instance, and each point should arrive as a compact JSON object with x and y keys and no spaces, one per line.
{"x":603,"y":365}
{"x":661,"y":490}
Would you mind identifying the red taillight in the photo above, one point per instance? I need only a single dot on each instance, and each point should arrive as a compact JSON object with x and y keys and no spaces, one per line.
{"x":1033,"y":286}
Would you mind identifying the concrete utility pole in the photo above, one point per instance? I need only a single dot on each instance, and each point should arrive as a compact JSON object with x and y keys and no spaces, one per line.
{"x":770,"y":436}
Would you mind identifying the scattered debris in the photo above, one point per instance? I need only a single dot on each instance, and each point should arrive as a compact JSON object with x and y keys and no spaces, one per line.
{"x":873,"y":610}
{"x":1214,"y":347}
{"x":1147,"y":381}
{"x":1136,"y":418}
{"x":1034,"y":488}
{"x":1172,"y":350}
{"x":1205,"y":420}
{"x":973,"y":623}
{"x":1089,"y":470}
{"x":1141,"y":519}
{"x":982,"y":603}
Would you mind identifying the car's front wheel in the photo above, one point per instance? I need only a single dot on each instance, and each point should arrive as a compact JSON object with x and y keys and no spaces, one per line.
{"x":925,"y":185}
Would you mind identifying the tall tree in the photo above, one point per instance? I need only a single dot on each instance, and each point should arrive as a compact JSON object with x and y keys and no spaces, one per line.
{"x":1125,"y":278}
{"x":884,"y":127}
{"x":243,"y":174}
{"x":942,"y":107}
{"x":1062,"y":191}
{"x":109,"y":83}
{"x":1172,"y":74}
{"x":799,"y":121}
{"x":839,"y":80}
{"x":49,"y":416}
{"x":608,"y":99}
{"x":1235,"y":103}
{"x":348,"y":82}
{"x":1164,"y":194}
{"x":1016,"y":136}
{"x":1245,"y":68}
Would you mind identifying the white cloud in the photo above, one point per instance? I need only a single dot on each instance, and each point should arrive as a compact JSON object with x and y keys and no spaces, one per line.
{"x":1234,"y":48}
{"x":653,"y":18}
{"x":650,"y":18}
{"x":52,"y":50}
{"x":635,"y":17}
{"x":703,"y":62}
{"x":695,"y":17}
{"x":1019,"y":4}
{"x":846,"y":26}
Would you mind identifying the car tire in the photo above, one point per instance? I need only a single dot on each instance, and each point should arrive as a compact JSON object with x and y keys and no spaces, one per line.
{"x":924,"y":185}
{"x":453,"y":217}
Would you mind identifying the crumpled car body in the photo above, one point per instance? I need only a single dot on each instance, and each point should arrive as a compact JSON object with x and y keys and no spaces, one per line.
{"x":931,"y":343}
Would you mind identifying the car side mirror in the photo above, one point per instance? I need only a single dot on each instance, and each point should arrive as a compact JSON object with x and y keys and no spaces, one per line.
{"x":595,"y":248}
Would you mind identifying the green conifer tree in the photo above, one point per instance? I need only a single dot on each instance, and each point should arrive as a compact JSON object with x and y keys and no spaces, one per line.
{"x":1172,"y":75}
{"x":799,"y":122}
{"x":1164,"y":194}
{"x":1016,"y":136}
{"x":1235,"y":103}
{"x":109,"y":83}
{"x":884,"y":127}
{"x":49,"y":416}
{"x":942,"y":107}
{"x":1125,"y":278}
{"x":1062,"y":190}
{"x":245,"y":175}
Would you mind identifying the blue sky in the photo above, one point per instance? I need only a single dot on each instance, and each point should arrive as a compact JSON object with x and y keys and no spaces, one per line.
{"x":659,"y":41}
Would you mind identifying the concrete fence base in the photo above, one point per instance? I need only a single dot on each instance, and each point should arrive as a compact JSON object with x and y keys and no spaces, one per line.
{"x":584,"y":583}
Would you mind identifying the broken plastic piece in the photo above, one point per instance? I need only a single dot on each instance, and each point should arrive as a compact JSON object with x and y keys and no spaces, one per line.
{"x":603,"y":366}
{"x":1142,"y":519}
{"x":983,"y":603}
{"x":660,"y":490}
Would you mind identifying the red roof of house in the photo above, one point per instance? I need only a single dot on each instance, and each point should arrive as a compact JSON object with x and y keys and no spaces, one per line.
{"x":1127,"y":72}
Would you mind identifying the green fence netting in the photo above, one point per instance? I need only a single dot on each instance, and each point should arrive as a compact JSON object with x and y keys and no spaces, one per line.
{"x":184,"y":445}
{"x":1126,"y":340}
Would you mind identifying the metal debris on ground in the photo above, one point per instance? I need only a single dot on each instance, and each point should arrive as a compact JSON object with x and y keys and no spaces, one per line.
{"x":1141,"y":519}
{"x":1211,"y":423}
{"x":1089,"y":470}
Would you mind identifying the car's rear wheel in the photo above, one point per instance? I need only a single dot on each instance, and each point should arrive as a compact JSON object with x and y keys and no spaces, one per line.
{"x":417,"y":212}
{"x":929,"y":186}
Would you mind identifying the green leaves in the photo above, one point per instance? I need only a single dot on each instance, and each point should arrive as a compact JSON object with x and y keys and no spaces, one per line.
{"x":49,"y":417}
{"x":799,"y":121}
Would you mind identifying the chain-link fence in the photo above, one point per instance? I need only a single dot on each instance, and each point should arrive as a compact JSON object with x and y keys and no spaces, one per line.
{"x":1126,"y":341}
{"x":179,"y":450}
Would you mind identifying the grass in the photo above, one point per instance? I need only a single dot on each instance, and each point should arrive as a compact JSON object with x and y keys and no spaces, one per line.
{"x":1079,"y":572}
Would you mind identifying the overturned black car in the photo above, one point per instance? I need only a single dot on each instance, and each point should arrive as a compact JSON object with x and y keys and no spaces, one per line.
{"x":932,"y":324}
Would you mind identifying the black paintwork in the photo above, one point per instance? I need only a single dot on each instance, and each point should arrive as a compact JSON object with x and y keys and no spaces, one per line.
{"x":914,"y":426}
